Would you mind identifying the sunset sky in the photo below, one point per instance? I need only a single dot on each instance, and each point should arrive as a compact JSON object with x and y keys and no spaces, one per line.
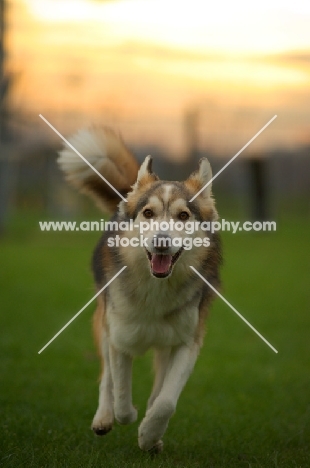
{"x":141,"y":65}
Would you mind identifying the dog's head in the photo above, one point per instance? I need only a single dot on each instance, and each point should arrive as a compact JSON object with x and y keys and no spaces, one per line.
{"x":164,"y":215}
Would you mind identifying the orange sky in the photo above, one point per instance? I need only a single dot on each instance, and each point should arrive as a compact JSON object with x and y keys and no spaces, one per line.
{"x":142,"y":64}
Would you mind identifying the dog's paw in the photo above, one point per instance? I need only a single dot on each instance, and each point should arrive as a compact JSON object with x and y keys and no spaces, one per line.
{"x":102,"y":425}
{"x":127,"y":417}
{"x":102,"y":430}
{"x":148,"y":440}
{"x":154,"y":425}
{"x":157,"y":448}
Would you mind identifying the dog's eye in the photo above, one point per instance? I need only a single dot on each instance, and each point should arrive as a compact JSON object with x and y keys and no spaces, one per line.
{"x":183,"y":216}
{"x":148,"y":213}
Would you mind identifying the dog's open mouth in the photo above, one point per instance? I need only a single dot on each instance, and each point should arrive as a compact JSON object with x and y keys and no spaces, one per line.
{"x":161,"y":264}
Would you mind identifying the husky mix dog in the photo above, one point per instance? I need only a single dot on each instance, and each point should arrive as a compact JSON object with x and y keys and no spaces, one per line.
{"x":158,"y":301}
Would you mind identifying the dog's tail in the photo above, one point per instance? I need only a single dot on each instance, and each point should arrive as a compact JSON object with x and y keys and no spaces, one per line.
{"x":107,"y":153}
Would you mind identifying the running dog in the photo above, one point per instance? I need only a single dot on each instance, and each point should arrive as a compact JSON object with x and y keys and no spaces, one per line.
{"x":158,"y":301}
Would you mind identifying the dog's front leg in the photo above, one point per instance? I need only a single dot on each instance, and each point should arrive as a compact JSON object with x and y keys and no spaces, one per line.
{"x":155,"y":423}
{"x":104,"y":417}
{"x":121,"y":366}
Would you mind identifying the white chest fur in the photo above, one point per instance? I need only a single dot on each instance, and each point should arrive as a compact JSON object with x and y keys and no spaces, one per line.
{"x":157,"y":317}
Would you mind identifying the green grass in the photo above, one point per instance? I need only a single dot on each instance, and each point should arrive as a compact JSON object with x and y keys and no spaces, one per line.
{"x":244,"y":406}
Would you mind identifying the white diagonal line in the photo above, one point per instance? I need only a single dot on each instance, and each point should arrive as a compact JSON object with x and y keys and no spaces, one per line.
{"x":235,"y":310}
{"x":82,"y":157}
{"x":234,"y":157}
{"x":83,"y":308}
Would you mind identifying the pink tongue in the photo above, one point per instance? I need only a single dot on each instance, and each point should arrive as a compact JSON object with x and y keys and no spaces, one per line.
{"x":161,"y":263}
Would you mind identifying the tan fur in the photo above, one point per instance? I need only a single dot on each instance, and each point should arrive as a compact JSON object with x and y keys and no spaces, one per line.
{"x":99,"y":325}
{"x":107,"y":153}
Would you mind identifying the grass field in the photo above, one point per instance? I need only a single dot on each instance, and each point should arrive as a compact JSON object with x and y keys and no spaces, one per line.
{"x":244,"y":406}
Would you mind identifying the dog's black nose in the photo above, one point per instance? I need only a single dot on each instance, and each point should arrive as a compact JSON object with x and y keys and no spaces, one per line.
{"x":162,"y":242}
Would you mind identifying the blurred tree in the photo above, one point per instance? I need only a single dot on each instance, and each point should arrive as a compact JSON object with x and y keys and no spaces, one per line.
{"x":5,"y":163}
{"x":259,"y":197}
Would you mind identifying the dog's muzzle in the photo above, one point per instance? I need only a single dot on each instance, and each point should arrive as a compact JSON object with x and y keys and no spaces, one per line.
{"x":161,"y":259}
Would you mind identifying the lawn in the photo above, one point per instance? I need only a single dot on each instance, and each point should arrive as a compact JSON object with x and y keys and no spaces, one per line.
{"x":244,"y":405}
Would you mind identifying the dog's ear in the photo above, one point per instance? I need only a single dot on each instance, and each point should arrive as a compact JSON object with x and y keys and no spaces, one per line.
{"x":145,"y":174}
{"x":145,"y":168}
{"x":145,"y":178}
{"x":198,"y":179}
